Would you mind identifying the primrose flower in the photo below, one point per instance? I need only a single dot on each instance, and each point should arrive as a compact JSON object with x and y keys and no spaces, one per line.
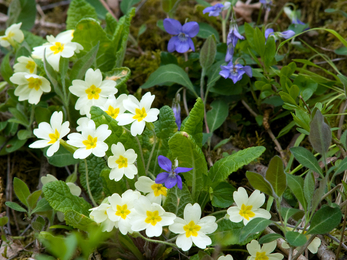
{"x":92,"y":91}
{"x":82,"y":123}
{"x":171,"y":177}
{"x":285,"y":34}
{"x":90,"y":141}
{"x":226,"y":257}
{"x":56,"y":47}
{"x":122,"y":162}
{"x":215,"y":10}
{"x":30,"y":86}
{"x":150,"y":217}
{"x":140,"y":113}
{"x":182,"y":41}
{"x":264,"y":252}
{"x":51,"y":133}
{"x":114,"y":106}
{"x":247,"y":208}
{"x":120,"y":209}
{"x":12,"y":35}
{"x":25,"y":64}
{"x":100,"y":216}
{"x":155,"y":192}
{"x":235,"y":71}
{"x":193,"y":228}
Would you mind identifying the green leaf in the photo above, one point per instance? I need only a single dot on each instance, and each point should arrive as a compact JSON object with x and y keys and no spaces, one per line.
{"x":32,"y":199}
{"x":320,"y":133}
{"x":3,"y":221}
{"x":286,"y":213}
{"x":14,"y":144}
{"x":224,"y":167}
{"x":126,"y":5}
{"x":177,"y":199}
{"x":62,"y":158}
{"x":309,"y":187}
{"x":222,"y":195}
{"x":306,"y":158}
{"x":194,"y":122}
{"x":325,"y":220}
{"x":120,"y":76}
{"x":78,"y":220}
{"x":213,"y":74}
{"x":61,"y":247}
{"x":20,"y":117}
{"x":24,"y":134}
{"x":23,"y":11}
{"x":205,"y":30}
{"x":111,"y":24}
{"x":21,"y":190}
{"x":81,"y":66}
{"x":78,"y":10}
{"x":5,"y":68}
{"x":295,"y":238}
{"x":169,"y":73}
{"x":15,"y":206}
{"x":254,"y":226}
{"x":217,"y":115}
{"x":258,"y":182}
{"x":276,"y":176}
{"x":111,"y":186}
{"x":341,"y":167}
{"x":208,"y":52}
{"x":169,"y":5}
{"x":41,"y":206}
{"x":269,"y":238}
{"x":296,"y":185}
{"x":188,"y":154}
{"x":58,"y":194}
{"x":95,"y":166}
{"x":259,"y":41}
{"x":270,"y":51}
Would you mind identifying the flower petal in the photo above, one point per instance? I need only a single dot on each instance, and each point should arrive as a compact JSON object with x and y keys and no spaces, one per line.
{"x":161,"y":177}
{"x":172,"y":26}
{"x":191,"y":28}
{"x":164,"y":163}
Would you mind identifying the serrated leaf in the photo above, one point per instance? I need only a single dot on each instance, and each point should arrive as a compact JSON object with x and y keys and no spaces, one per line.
{"x":21,"y":190}
{"x":95,"y":166}
{"x":306,"y":158}
{"x":276,"y":176}
{"x":224,"y":167}
{"x":79,"y":9}
{"x":325,"y":220}
{"x":295,"y":238}
{"x":58,"y":194}
{"x":320,"y":133}
{"x":217,"y":115}
{"x":78,"y":220}
{"x":269,"y":238}
{"x":188,"y":154}
{"x":194,"y":122}
{"x":254,"y":226}
{"x":169,"y":73}
{"x":15,"y":206}
{"x":177,"y":199}
{"x":296,"y":185}
{"x":41,"y":206}
{"x":61,"y":158}
{"x":222,"y":195}
{"x":208,"y":52}
{"x":32,"y":199}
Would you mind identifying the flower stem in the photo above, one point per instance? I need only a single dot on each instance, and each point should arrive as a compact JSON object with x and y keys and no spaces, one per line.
{"x":87,"y":182}
{"x":156,"y":241}
{"x":152,"y":151}
{"x":140,"y":147}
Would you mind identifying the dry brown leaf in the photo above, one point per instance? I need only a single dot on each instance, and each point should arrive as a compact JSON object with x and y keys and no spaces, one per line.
{"x":245,"y":10}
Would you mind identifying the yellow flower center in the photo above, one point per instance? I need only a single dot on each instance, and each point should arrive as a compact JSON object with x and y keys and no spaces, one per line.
{"x":246,"y":211}
{"x":58,"y":47}
{"x":90,"y":142}
{"x":122,"y":162}
{"x":9,"y":37}
{"x":54,"y":137}
{"x":113,"y":112}
{"x":191,"y":229}
{"x":159,"y":189}
{"x":261,"y":256}
{"x":93,"y":92}
{"x":122,"y":211}
{"x":140,"y":114}
{"x":31,"y":66}
{"x":153,"y":217}
{"x":34,"y":83}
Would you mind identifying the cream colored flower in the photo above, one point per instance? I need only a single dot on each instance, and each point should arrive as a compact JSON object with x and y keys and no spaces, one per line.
{"x":12,"y":35}
{"x":25,"y":64}
{"x":155,"y":192}
{"x":114,"y":106}
{"x":99,"y":215}
{"x":263,"y":253}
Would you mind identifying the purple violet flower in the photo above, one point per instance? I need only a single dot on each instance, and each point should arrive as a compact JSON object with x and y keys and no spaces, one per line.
{"x":171,"y":177}
{"x":285,"y":34}
{"x":266,"y":3}
{"x":182,"y":41}
{"x":214,"y":10}
{"x":235,"y":71}
{"x":176,"y":108}
{"x":268,"y":32}
{"x":232,"y":38}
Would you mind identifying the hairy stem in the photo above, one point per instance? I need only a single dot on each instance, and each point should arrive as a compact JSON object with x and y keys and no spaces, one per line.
{"x":87,"y":182}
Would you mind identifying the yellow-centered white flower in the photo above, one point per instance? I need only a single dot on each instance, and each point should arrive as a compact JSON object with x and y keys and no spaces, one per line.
{"x":263,"y":253}
{"x":51,"y":133}
{"x":122,"y":162}
{"x":150,"y":217}
{"x":120,"y":209}
{"x":12,"y":35}
{"x":30,"y":86}
{"x":140,"y":113}
{"x":93,"y":91}
{"x":25,"y":64}
{"x":247,"y":208}
{"x":56,"y":47}
{"x":155,"y":192}
{"x":99,"y":215}
{"x":193,"y":228}
{"x":226,"y":257}
{"x":90,"y":141}
{"x":114,"y":106}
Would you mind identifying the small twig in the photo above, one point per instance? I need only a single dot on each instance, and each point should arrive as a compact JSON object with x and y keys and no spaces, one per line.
{"x":108,"y":9}
{"x":323,"y":251}
{"x":51,"y":6}
{"x":302,"y":249}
